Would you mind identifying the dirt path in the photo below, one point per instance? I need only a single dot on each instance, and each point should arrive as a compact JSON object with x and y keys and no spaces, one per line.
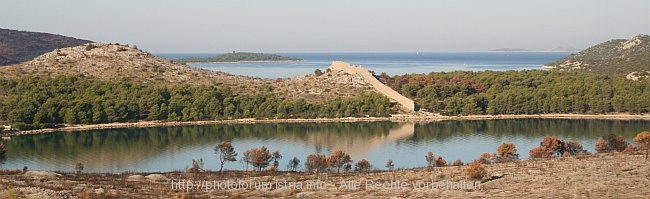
{"x":598,"y":176}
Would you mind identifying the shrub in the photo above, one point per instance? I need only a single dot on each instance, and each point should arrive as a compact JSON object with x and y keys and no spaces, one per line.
{"x":390,"y":165}
{"x":540,"y":152}
{"x":79,"y":167}
{"x":294,"y":164}
{"x":338,"y":160}
{"x":457,"y":163}
{"x":363,"y":165}
{"x":316,"y":163}
{"x":611,"y":143}
{"x":197,"y":166}
{"x":476,"y":170}
{"x":630,"y":150}
{"x":574,"y":148}
{"x":440,"y":162}
{"x":272,"y":169}
{"x":226,"y":153}
{"x":553,"y":145}
{"x":643,"y":139}
{"x":258,"y":157}
{"x":486,"y":158}
{"x":507,"y":152}
{"x":318,"y":72}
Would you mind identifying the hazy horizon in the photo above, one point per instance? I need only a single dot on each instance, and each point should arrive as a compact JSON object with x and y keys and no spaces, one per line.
{"x":285,"y":26}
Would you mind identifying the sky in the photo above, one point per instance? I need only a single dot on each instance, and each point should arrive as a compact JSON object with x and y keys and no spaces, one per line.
{"x":217,"y":26}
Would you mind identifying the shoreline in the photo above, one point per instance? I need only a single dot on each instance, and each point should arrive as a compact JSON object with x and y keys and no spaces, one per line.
{"x":392,"y":118}
{"x":238,"y":62}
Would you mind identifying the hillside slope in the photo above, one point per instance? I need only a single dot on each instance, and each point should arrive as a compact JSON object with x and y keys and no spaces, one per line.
{"x":619,"y":56}
{"x":112,"y":62}
{"x":18,"y":46}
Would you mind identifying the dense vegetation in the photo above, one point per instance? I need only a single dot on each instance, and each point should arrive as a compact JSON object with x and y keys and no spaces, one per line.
{"x":36,"y":102}
{"x":238,"y":57}
{"x":18,"y":46}
{"x":522,"y":92}
{"x":618,"y":56}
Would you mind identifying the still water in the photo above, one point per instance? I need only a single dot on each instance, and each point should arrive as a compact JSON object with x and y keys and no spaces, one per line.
{"x":173,"y":148}
{"x":390,"y":63}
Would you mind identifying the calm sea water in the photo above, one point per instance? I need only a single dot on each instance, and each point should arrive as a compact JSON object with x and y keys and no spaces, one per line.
{"x":173,"y":148}
{"x":390,"y":63}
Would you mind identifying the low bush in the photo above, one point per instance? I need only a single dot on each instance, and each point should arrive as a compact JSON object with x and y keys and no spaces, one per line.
{"x":611,"y":143}
{"x":476,"y":170}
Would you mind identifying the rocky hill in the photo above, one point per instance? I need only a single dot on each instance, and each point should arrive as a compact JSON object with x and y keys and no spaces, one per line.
{"x":113,"y":62}
{"x":624,"y":57}
{"x":18,"y":46}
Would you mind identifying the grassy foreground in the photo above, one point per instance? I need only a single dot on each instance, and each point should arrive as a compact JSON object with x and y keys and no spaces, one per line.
{"x":611,"y":175}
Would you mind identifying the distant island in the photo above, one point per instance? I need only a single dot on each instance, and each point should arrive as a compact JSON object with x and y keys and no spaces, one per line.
{"x":509,"y":50}
{"x":238,"y":57}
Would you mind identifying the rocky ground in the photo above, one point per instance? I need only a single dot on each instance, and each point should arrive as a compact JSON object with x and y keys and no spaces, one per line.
{"x":598,"y":176}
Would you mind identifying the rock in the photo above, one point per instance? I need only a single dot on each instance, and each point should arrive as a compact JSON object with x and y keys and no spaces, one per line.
{"x":157,"y":177}
{"x":135,"y":178}
{"x":42,"y":174}
{"x":99,"y":191}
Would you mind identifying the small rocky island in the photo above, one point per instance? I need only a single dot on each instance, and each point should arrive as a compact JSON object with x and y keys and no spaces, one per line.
{"x":238,"y":57}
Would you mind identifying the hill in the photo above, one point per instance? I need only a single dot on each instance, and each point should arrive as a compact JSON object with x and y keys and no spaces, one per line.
{"x":619,"y":56}
{"x":114,"y":62}
{"x":238,"y":57}
{"x":18,"y":46}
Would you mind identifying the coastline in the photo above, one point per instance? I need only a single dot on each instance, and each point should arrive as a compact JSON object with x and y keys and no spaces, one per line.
{"x":392,"y":118}
{"x":238,"y":62}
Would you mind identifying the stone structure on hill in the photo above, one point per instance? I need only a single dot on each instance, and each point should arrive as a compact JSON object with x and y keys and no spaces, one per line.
{"x":406,"y":103}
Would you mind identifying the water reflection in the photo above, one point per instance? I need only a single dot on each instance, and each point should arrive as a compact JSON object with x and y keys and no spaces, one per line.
{"x":173,"y":148}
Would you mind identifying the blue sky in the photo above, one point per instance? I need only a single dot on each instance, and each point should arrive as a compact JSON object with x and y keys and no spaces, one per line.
{"x":211,"y":26}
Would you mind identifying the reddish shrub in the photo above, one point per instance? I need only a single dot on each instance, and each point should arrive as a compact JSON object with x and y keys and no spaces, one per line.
{"x":363,"y":165}
{"x":440,"y":162}
{"x":476,"y":170}
{"x":507,"y":152}
{"x":457,"y":163}
{"x":611,"y":143}
{"x":643,"y":139}
{"x":540,"y":152}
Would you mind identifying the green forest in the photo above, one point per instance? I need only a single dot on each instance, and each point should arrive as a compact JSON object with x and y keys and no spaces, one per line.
{"x":38,"y":102}
{"x":522,"y":92}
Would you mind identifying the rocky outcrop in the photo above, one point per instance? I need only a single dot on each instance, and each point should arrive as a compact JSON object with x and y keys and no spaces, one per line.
{"x":406,"y":103}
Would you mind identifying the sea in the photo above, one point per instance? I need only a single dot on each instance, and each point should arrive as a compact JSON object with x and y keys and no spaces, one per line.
{"x":389,"y":63}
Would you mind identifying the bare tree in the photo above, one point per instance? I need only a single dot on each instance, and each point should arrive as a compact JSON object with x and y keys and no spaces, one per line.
{"x":226,"y":153}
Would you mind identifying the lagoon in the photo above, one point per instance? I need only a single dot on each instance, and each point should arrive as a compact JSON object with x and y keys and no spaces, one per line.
{"x":159,"y":149}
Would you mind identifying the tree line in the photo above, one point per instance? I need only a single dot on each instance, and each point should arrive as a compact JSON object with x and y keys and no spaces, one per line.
{"x":38,"y":102}
{"x":522,"y":92}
